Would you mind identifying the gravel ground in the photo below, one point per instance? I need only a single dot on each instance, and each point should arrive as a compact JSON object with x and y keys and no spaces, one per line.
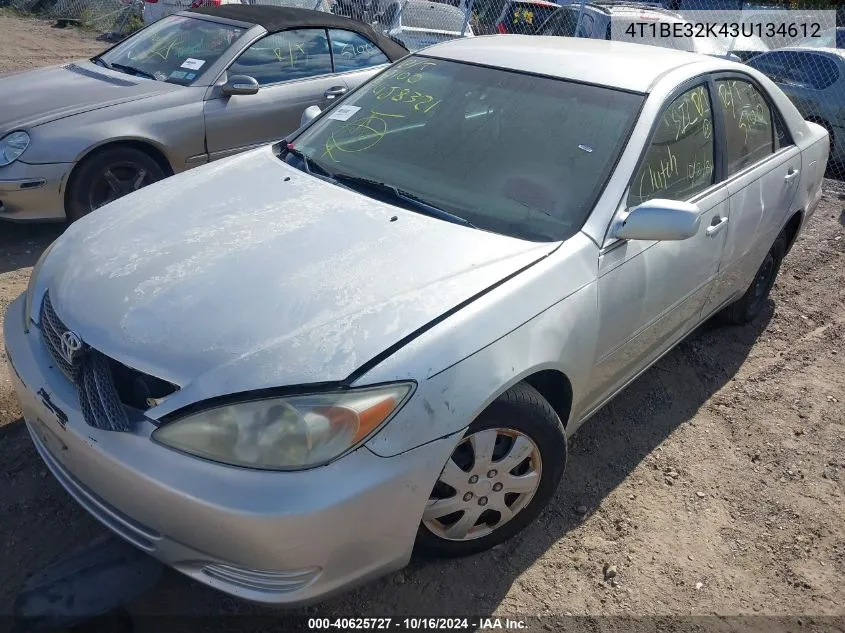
{"x":713,"y":485}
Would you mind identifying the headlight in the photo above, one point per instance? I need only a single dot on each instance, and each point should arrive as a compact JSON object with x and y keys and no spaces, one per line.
{"x":12,"y":146}
{"x":30,"y":289}
{"x":285,"y":433}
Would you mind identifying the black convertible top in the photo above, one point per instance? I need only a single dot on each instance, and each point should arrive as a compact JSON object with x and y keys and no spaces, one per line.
{"x":276,"y":19}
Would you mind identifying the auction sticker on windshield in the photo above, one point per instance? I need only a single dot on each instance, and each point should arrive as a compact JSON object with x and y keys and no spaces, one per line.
{"x":344,"y":112}
{"x":192,"y":64}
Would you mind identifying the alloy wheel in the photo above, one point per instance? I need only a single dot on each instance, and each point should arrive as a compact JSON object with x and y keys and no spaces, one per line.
{"x":116,"y":181}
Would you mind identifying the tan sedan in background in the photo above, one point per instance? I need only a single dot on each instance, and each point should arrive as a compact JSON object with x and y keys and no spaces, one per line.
{"x":189,"y":89}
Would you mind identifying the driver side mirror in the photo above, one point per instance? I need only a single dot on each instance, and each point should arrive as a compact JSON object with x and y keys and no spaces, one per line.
{"x":660,"y":220}
{"x":310,"y":113}
{"x":240,"y":85}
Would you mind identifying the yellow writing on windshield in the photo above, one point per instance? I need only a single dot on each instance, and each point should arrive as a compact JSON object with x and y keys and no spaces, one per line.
{"x":359,"y":134}
{"x":397,"y":94}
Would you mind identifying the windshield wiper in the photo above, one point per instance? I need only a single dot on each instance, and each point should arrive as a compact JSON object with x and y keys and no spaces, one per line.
{"x":102,"y":62}
{"x":309,"y":163}
{"x":134,"y":71}
{"x":404,"y":196}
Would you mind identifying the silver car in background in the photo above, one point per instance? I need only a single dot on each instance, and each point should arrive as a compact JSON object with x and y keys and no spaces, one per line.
{"x":611,"y":20}
{"x":420,"y":23}
{"x":280,"y":372}
{"x":187,"y":90}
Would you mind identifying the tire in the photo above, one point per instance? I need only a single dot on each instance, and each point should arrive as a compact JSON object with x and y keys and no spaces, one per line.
{"x":91,"y":187}
{"x":749,"y":305}
{"x":519,"y":419}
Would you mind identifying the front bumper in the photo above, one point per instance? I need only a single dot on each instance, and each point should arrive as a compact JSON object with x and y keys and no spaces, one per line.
{"x":33,"y":192}
{"x":283,"y":538}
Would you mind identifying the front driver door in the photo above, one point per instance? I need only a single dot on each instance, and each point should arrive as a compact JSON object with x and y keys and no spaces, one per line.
{"x":652,"y":293}
{"x":294,"y":70}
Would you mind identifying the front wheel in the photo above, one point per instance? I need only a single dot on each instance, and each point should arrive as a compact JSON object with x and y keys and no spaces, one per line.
{"x":500,"y":476}
{"x":108,"y":175}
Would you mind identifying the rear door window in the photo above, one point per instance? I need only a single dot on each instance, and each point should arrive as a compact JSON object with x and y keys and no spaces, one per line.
{"x":748,"y":123}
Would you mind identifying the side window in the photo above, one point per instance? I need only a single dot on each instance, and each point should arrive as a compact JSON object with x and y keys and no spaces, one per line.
{"x":748,"y":123}
{"x":679,"y":161}
{"x":352,"y":51}
{"x":284,"y":56}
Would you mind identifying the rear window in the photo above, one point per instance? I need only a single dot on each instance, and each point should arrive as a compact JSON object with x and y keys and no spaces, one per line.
{"x":525,"y":17}
{"x":439,"y":17}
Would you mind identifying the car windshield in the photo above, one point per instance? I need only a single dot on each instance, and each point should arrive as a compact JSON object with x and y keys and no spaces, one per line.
{"x":176,"y":49}
{"x":508,"y":152}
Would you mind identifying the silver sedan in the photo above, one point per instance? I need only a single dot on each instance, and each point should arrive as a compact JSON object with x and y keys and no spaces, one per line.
{"x":280,"y":372}
{"x":187,"y":90}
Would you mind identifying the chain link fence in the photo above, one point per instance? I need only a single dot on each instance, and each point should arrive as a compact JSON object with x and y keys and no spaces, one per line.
{"x":793,"y":42}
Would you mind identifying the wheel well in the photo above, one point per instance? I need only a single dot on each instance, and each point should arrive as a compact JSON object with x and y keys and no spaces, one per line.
{"x":555,"y":387}
{"x":151,"y":150}
{"x":791,"y":229}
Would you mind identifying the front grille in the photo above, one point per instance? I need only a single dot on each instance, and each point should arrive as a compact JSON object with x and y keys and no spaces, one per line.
{"x":101,"y":406}
{"x":52,"y":329}
{"x":89,"y":370}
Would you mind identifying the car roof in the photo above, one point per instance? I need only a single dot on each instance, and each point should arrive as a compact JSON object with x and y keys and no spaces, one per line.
{"x":275,"y":19}
{"x":623,"y":65}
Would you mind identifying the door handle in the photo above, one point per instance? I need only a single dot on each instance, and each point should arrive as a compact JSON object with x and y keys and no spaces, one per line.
{"x":335,"y":91}
{"x":716,"y":225}
{"x":791,"y":174}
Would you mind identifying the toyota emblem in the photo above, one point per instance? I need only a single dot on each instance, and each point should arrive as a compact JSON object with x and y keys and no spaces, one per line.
{"x":71,"y":344}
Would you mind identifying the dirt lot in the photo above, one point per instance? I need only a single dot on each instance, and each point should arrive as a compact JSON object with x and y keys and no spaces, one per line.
{"x":715,"y":484}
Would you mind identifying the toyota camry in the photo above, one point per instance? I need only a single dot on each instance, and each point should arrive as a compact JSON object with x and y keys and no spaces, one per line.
{"x":283,"y":372}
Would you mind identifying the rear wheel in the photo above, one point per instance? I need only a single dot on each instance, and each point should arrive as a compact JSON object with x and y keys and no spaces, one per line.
{"x":749,"y":305}
{"x":108,"y":175}
{"x":499,"y":477}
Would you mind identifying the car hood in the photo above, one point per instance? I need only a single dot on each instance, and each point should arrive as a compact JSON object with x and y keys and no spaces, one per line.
{"x":247,"y":273}
{"x":39,"y":96}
